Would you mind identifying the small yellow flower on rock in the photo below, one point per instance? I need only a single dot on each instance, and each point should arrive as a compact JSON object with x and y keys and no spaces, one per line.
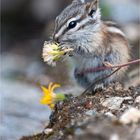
{"x":50,"y":98}
{"x":52,"y":52}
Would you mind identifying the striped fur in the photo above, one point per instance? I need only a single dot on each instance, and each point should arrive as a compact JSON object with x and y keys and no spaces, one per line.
{"x":93,"y":40}
{"x":115,"y":30}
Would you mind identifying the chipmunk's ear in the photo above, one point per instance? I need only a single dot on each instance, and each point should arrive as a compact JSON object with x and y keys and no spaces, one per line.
{"x":91,"y":7}
{"x":78,"y":1}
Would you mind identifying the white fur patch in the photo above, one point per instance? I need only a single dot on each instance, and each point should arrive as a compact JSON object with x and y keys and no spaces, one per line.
{"x":60,"y":31}
{"x":115,"y":30}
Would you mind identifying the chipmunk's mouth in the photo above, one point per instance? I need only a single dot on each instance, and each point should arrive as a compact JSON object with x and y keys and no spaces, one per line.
{"x":71,"y":44}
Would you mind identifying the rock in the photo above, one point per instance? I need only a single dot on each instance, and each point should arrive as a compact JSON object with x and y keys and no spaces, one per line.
{"x":47,"y":131}
{"x":113,"y":103}
{"x":79,"y":131}
{"x":91,"y":112}
{"x":22,"y":114}
{"x":114,"y":137}
{"x":130,"y":116}
{"x":105,"y":119}
{"x":137,"y":100}
{"x":109,"y":114}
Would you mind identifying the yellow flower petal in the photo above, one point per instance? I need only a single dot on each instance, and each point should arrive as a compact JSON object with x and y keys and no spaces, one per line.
{"x":45,"y":90}
{"x":54,"y":86}
{"x":50,"y":98}
{"x":56,"y":53}
{"x":50,"y":86}
{"x":54,"y":46}
{"x":45,"y":102}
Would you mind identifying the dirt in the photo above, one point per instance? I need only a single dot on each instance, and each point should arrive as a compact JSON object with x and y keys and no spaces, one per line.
{"x":98,"y":115}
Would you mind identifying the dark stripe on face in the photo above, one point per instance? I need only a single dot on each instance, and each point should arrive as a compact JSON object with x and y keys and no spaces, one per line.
{"x":66,"y":29}
{"x":87,"y":23}
{"x":58,"y":28}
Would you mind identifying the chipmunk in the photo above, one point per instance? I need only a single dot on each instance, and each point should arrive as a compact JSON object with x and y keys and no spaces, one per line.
{"x":95,"y":42}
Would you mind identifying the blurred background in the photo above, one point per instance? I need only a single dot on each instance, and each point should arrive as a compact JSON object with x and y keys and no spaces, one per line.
{"x":25,"y":25}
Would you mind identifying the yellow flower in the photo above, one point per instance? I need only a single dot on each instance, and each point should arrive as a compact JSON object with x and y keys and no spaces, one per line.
{"x":50,"y":98}
{"x":52,"y":52}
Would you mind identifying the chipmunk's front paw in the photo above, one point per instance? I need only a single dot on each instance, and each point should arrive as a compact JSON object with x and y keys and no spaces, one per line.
{"x":68,"y":49}
{"x":97,"y":88}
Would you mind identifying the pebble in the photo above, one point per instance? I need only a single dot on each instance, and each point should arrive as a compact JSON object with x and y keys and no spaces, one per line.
{"x":91,"y":112}
{"x":130,"y":116}
{"x":114,"y":137}
{"x":114,"y":103}
{"x":47,"y":131}
{"x":137,"y":100}
{"x":109,"y":114}
{"x":79,"y":132}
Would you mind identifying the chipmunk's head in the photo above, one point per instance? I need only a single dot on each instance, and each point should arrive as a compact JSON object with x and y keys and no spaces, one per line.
{"x":76,"y":22}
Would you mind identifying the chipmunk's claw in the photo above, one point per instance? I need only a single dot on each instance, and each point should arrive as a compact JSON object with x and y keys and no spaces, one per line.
{"x":98,"y":87}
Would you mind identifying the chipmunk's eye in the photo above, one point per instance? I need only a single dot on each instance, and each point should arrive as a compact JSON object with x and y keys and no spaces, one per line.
{"x":72,"y":24}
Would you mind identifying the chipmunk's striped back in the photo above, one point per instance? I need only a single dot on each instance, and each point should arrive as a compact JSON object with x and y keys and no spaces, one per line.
{"x":113,"y":28}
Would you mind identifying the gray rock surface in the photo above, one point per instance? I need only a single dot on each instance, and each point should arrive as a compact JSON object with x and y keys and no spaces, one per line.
{"x":22,"y":114}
